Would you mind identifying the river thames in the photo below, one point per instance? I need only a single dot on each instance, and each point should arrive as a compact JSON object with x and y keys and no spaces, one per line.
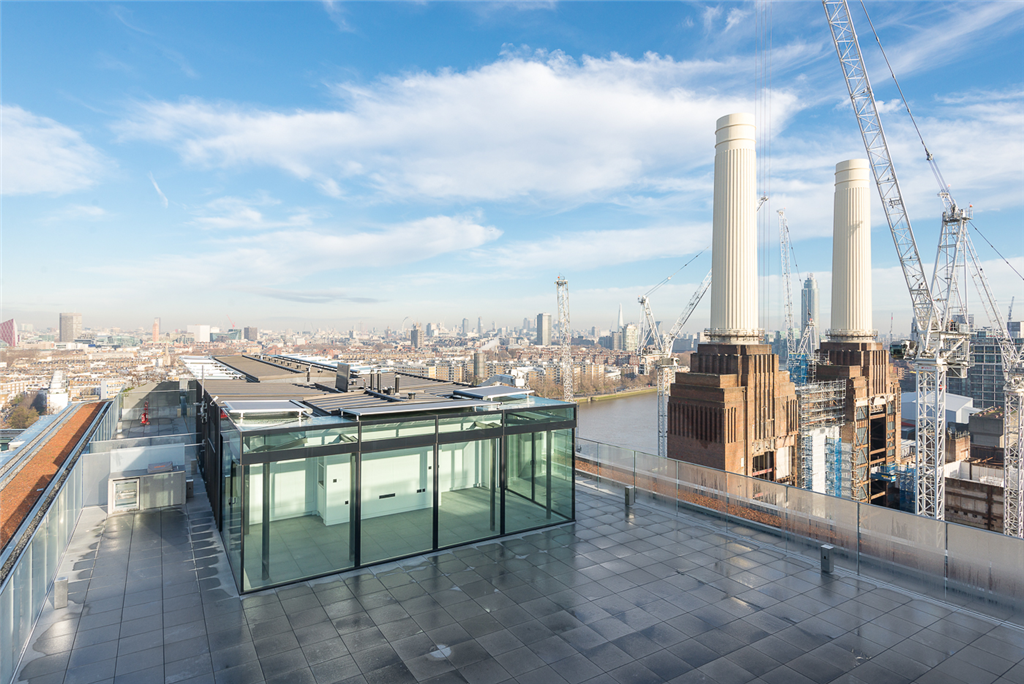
{"x":630,"y":422}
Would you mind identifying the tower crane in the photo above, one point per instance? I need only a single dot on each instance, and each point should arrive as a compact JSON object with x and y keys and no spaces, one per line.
{"x":562,"y":288}
{"x":665,"y":371}
{"x":650,"y":340}
{"x":941,"y":346}
{"x":1013,"y":402}
{"x":798,"y":352}
{"x":1009,"y":312}
{"x":787,"y":277}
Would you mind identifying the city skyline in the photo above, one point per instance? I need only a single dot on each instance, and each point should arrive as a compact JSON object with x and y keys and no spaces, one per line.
{"x":367,"y":173}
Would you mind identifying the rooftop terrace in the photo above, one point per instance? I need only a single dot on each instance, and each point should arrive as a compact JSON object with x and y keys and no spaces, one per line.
{"x":632,"y":594}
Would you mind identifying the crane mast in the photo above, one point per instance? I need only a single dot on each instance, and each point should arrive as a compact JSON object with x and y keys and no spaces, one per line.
{"x":665,"y":372}
{"x":942,"y":344}
{"x":562,"y":288}
{"x":1013,"y":398}
{"x":787,"y":282}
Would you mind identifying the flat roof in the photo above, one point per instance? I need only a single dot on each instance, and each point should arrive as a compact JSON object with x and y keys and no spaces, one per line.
{"x":265,"y":406}
{"x":627,"y":594}
{"x":223,"y":389}
{"x":492,"y":392}
{"x":413,"y":407}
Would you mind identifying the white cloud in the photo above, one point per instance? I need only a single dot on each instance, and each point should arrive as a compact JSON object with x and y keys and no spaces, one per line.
{"x":963,"y":25}
{"x":163,"y":197}
{"x":41,"y":155}
{"x":709,"y":15}
{"x":289,"y":254}
{"x":78,"y":212}
{"x":737,"y":17}
{"x":234,"y":212}
{"x":584,"y":250}
{"x":336,"y":13}
{"x":540,"y":125}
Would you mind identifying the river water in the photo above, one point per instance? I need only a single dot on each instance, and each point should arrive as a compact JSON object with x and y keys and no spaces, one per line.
{"x":630,"y":422}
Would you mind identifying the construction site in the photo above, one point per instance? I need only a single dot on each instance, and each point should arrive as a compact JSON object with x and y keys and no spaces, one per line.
{"x":826,"y":416}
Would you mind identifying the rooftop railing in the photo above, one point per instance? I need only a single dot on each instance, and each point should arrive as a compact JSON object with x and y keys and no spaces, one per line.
{"x":967,"y":566}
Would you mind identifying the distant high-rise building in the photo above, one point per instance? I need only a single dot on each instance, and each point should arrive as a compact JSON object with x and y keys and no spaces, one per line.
{"x":630,"y":338}
{"x":252,"y":333}
{"x":479,"y":366}
{"x":526,"y":324}
{"x":9,"y":333}
{"x":809,"y":304}
{"x":544,"y":329}
{"x":416,"y":336}
{"x":70,"y":327}
{"x":431,"y":330}
{"x":479,"y":325}
{"x":465,"y":326}
{"x":156,"y":329}
{"x":200,"y":332}
{"x":618,"y":325}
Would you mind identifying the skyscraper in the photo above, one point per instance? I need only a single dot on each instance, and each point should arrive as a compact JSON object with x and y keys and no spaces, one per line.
{"x":9,"y":333}
{"x":156,"y":329}
{"x":479,"y":325}
{"x":544,"y":329}
{"x":70,"y":327}
{"x":465,"y":326}
{"x":809,"y":303}
{"x":416,"y":336}
{"x":618,"y":326}
{"x":630,"y":335}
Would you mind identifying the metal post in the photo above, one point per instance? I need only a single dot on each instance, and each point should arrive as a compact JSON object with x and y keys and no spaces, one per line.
{"x":551,"y":438}
{"x":266,"y":522}
{"x":494,"y":486}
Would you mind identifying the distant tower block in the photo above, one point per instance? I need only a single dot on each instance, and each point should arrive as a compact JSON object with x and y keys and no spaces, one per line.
{"x":734,"y":240}
{"x":156,"y":329}
{"x":851,"y":254}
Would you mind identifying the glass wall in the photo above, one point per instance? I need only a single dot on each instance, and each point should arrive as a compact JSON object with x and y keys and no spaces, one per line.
{"x":231,"y":499}
{"x":297,"y":519}
{"x":300,"y":439}
{"x":468,"y":498}
{"x":539,"y":479}
{"x":26,"y":587}
{"x":973,"y":567}
{"x":397,"y":502}
{"x":307,"y":517}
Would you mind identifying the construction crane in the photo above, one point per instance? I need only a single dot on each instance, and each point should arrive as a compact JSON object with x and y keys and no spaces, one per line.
{"x":798,"y":352}
{"x":650,"y":340}
{"x":562,"y":288}
{"x":787,"y":283}
{"x":666,"y":370}
{"x":941,"y":346}
{"x":1009,"y":312}
{"x":1013,"y":402}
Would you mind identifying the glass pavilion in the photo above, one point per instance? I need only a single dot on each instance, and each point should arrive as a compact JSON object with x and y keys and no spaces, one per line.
{"x":304,"y":496}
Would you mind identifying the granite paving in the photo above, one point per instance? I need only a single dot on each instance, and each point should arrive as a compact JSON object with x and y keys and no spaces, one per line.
{"x":624,"y":594}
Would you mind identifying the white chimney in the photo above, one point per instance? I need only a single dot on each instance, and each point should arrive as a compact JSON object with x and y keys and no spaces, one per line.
{"x":851,"y":254}
{"x":734,"y":239}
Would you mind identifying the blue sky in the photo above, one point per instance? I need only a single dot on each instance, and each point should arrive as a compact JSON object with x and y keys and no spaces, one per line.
{"x":302,"y":164}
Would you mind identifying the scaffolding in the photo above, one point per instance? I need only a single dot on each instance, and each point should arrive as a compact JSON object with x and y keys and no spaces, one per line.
{"x":906,"y":476}
{"x":799,"y":369}
{"x":837,"y":467}
{"x":821,"y":405}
